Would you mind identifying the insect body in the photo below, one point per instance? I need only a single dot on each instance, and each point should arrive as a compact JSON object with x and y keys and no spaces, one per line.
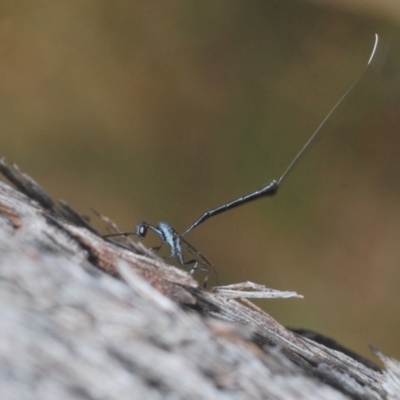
{"x":168,"y":236}
{"x":176,"y":242}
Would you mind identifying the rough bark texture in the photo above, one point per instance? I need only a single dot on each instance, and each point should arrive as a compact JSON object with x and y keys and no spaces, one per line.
{"x":85,"y":318}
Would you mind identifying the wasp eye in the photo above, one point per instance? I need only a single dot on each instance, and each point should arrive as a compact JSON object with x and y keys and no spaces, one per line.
{"x":141,"y":229}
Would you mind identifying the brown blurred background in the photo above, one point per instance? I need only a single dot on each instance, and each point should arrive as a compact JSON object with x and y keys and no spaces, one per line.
{"x":161,"y":110}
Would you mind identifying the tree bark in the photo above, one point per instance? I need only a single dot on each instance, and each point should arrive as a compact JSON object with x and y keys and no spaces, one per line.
{"x":82,"y":317}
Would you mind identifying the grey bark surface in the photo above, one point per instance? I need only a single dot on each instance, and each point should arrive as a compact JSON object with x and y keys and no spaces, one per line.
{"x":86,"y":318}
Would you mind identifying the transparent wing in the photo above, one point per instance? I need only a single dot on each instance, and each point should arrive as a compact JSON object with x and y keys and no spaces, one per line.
{"x":201,"y":259}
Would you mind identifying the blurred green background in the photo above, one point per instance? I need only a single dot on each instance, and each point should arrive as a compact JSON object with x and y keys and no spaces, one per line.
{"x":161,"y":110}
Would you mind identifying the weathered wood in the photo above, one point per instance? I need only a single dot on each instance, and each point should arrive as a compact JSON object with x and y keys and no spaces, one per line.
{"x":85,"y":318}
